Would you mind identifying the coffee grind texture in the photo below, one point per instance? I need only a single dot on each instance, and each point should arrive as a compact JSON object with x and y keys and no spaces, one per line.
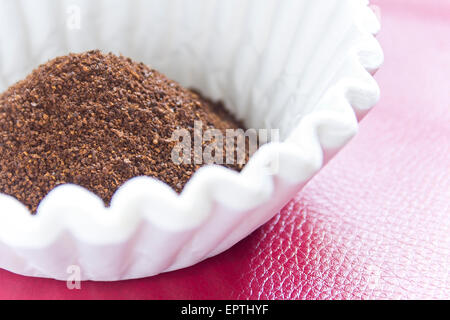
{"x":96,"y":120}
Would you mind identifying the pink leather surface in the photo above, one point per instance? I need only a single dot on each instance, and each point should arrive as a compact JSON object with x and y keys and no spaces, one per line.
{"x":374,"y":224}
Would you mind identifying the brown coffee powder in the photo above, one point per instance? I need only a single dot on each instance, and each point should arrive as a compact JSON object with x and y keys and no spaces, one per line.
{"x":96,"y":120}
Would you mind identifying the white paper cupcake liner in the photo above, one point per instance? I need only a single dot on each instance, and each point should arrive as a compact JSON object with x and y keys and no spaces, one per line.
{"x":301,"y":66}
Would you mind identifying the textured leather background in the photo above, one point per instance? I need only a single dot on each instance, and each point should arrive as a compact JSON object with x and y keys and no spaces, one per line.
{"x":374,"y":224}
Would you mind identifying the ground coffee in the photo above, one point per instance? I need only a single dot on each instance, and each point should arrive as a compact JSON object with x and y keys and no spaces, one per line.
{"x":96,"y":120}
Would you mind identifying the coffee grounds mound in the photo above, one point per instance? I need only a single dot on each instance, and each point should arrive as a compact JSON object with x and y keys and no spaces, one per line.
{"x":96,"y":120}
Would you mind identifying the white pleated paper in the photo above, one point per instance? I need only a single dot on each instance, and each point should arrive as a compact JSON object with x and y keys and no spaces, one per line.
{"x":301,"y":66}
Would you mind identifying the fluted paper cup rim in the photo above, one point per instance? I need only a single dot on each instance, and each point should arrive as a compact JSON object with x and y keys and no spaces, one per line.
{"x":73,"y":209}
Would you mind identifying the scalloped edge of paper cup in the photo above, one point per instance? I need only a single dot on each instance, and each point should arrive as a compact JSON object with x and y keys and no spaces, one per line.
{"x":149,"y":229}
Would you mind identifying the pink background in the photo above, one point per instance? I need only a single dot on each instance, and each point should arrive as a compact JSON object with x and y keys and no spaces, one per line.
{"x":375,"y":223}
